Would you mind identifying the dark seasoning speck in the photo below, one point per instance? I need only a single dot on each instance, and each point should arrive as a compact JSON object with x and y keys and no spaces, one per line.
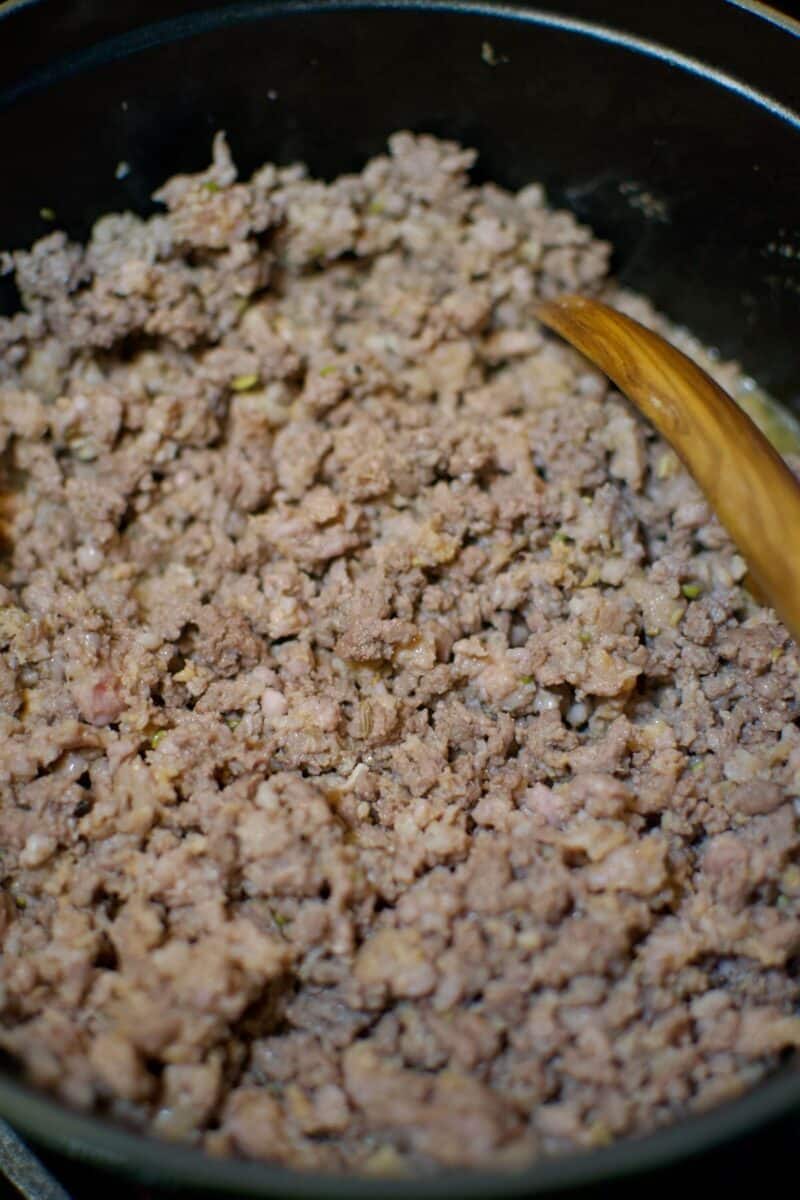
{"x":396,"y":773}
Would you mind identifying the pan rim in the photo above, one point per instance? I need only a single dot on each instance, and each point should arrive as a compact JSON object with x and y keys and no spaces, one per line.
{"x":103,"y":1144}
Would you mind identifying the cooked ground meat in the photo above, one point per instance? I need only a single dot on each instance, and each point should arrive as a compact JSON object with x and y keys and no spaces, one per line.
{"x":395,"y":771}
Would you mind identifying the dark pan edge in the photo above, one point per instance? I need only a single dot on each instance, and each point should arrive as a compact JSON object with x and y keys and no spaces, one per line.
{"x":108,"y":1146}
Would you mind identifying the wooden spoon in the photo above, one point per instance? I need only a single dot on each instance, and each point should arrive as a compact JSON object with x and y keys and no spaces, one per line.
{"x":747,"y":483}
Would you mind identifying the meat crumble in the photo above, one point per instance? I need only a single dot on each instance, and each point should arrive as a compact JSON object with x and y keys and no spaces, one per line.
{"x":396,"y":772}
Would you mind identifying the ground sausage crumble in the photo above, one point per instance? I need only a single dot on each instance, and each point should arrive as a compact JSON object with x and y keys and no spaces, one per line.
{"x":395,"y":771}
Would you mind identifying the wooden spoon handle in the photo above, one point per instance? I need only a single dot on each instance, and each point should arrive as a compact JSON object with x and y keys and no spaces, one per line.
{"x":749,"y":486}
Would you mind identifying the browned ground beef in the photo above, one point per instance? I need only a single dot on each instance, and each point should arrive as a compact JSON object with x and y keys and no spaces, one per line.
{"x":395,"y":772}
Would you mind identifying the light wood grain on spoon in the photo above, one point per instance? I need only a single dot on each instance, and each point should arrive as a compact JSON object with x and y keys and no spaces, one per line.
{"x":752,"y":491}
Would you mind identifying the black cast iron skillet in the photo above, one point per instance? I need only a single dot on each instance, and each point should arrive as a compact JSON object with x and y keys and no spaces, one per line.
{"x":671,"y":128}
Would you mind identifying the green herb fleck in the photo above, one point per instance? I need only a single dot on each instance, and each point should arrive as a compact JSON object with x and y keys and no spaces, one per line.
{"x":157,"y":738}
{"x":243,"y":383}
{"x":666,"y":466}
{"x":232,"y":722}
{"x":790,"y":880}
{"x":280,"y":920}
{"x":691,"y":590}
{"x":328,"y":370}
{"x":21,"y":902}
{"x":211,"y":185}
{"x":528,"y":680}
{"x":600,"y":1135}
{"x":584,"y":637}
{"x":47,"y":214}
{"x":376,"y":208}
{"x":84,"y":450}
